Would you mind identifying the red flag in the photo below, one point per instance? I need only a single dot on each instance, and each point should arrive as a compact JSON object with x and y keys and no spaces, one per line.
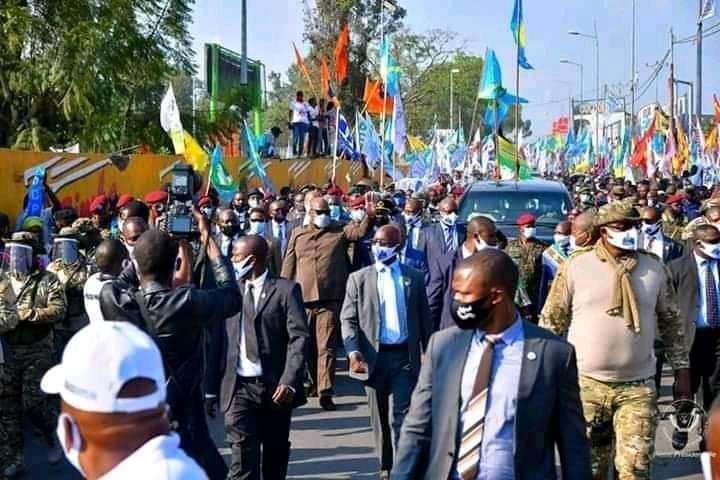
{"x":639,"y":156}
{"x":373,"y":97}
{"x":341,"y":54}
{"x":301,"y":63}
{"x":324,"y":78}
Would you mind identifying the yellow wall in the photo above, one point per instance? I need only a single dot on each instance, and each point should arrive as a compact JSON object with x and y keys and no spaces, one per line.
{"x":79,"y":183}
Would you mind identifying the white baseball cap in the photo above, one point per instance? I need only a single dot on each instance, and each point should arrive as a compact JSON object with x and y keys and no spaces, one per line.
{"x":98,"y":361}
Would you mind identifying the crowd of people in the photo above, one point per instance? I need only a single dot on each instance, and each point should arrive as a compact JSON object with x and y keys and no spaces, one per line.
{"x":481,"y":355}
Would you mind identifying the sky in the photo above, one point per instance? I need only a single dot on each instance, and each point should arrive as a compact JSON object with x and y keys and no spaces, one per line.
{"x":274,"y":24}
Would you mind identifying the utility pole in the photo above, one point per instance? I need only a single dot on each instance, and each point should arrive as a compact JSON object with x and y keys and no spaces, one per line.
{"x":698,"y":73}
{"x":671,"y":82}
{"x":632,"y":74}
{"x":243,"y":34}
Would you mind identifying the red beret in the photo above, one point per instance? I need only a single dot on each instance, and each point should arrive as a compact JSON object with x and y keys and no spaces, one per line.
{"x":335,"y":191}
{"x":357,"y":202}
{"x":204,"y":200}
{"x":124,"y":200}
{"x":156,"y":197}
{"x":676,"y":198}
{"x":98,"y":203}
{"x":525,"y":219}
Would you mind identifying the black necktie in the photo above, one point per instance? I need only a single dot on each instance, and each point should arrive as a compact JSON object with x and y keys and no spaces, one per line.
{"x":248,"y":320}
{"x":711,"y":297}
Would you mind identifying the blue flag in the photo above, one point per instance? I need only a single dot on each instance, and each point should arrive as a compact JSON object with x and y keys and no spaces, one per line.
{"x":346,"y":146}
{"x":389,"y":69}
{"x":36,"y":195}
{"x":517,"y":26}
{"x":491,"y":82}
{"x":399,"y":129}
{"x":370,"y":143}
{"x":256,"y":165}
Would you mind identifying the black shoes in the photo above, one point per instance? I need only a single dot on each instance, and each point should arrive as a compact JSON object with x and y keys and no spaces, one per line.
{"x":327,"y":404}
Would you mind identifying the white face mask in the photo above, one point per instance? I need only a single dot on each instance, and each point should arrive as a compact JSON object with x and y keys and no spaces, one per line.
{"x":120,"y":224}
{"x":449,"y":219}
{"x":712,"y":250}
{"x":243,"y":268}
{"x":383,"y":254}
{"x":573,"y":243}
{"x":73,"y":453}
{"x":254,"y":202}
{"x":481,"y":245}
{"x":584,"y":197}
{"x":627,"y":240}
{"x":411,"y":219}
{"x":561,"y":240}
{"x":322,"y":221}
{"x":529,"y":232}
{"x":358,"y":215}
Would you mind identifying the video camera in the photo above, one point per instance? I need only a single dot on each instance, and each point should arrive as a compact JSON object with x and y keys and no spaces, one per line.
{"x":180,"y":222}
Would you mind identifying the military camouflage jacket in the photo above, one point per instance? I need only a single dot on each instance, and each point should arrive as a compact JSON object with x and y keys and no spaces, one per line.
{"x":528,"y":257}
{"x":73,"y":277}
{"x":673,"y":227}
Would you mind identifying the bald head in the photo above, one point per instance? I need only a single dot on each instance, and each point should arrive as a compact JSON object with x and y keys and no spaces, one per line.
{"x":110,"y":256}
{"x":481,"y":228}
{"x":413,"y":206}
{"x":388,"y":235}
{"x":448,"y":205}
{"x":583,"y":229}
{"x":251,"y":246}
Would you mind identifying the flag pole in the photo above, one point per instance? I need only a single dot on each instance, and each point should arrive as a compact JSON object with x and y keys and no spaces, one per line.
{"x":495,"y":138}
{"x":517,"y":108}
{"x":337,"y":125}
{"x":382,"y":116}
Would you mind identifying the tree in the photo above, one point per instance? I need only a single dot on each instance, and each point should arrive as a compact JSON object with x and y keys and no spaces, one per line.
{"x":93,"y":72}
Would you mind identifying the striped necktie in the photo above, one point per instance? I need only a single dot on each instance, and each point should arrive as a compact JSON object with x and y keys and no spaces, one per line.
{"x":474,"y":415}
{"x":711,"y":296}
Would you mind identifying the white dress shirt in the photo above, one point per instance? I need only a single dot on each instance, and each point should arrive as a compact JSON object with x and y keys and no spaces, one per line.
{"x":466,"y":253}
{"x":393,"y":311}
{"x":414,"y":234}
{"x":160,"y":458}
{"x":246,"y":368}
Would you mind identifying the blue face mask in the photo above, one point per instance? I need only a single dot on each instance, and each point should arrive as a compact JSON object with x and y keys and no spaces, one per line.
{"x":335,"y":211}
{"x":257,"y":228}
{"x":383,"y":254}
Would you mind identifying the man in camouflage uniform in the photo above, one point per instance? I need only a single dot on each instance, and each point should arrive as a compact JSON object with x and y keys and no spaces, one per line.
{"x":89,"y":238}
{"x":709,"y":215}
{"x":673,"y":219}
{"x":32,"y":300}
{"x":72,"y":271}
{"x":610,"y":300}
{"x":526,"y":251}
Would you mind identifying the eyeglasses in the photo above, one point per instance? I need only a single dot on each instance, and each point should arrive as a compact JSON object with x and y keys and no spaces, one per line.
{"x":322,"y":212}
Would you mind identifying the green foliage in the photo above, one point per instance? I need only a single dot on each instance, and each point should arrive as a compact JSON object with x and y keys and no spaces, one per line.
{"x":89,"y":72}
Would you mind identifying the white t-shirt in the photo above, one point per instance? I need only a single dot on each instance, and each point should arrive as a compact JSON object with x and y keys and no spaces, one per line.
{"x":161,"y":458}
{"x":299,"y":112}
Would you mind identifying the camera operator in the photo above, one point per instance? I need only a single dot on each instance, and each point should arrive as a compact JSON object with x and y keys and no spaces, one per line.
{"x":176,"y":319}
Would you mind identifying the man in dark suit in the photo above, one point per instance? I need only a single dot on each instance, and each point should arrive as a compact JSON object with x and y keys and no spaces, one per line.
{"x":447,"y":234}
{"x":279,"y":228}
{"x":385,"y":329}
{"x":696,"y":281}
{"x":229,"y":230}
{"x":653,"y":240}
{"x":481,"y":234}
{"x":414,"y":224}
{"x":259,"y":226}
{"x":257,"y":362}
{"x":513,"y":401}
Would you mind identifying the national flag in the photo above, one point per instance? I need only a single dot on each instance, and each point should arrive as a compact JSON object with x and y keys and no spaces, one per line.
{"x":662,"y":123}
{"x":495,"y":114}
{"x":325,"y":89}
{"x":680,"y":161}
{"x":697,"y":142}
{"x":708,"y":10}
{"x":345,"y":146}
{"x":639,"y":156}
{"x":341,"y":54}
{"x":370,"y":143}
{"x":399,"y":128}
{"x":194,"y":154}
{"x":256,"y":165}
{"x":220,"y":179}
{"x":509,"y":162}
{"x":711,"y":140}
{"x":170,"y":120}
{"x":416,"y":143}
{"x":491,"y":83}
{"x":301,"y":64}
{"x":389,"y":69}
{"x":373,"y":98}
{"x":517,"y":26}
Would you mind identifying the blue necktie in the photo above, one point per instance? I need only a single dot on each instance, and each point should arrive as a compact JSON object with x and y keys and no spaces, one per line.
{"x":711,"y":297}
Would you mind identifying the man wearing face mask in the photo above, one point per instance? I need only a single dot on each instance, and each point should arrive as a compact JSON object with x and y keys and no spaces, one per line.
{"x":297,"y":213}
{"x":317,"y":259}
{"x":385,"y":329}
{"x":447,"y":234}
{"x":256,"y":366}
{"x":695,"y":277}
{"x":31,"y":302}
{"x":653,"y":240}
{"x":114,"y":422}
{"x":336,"y":211}
{"x":177,"y":319}
{"x":611,"y":301}
{"x":259,"y":226}
{"x":229,"y":230}
{"x":414,"y":224}
{"x":255,"y":199}
{"x":673,"y":218}
{"x":239,"y":205}
{"x":280,"y":228}
{"x":583,"y":233}
{"x":481,"y":234}
{"x":71,"y":269}
{"x":552,"y":258}
{"x":526,"y":250}
{"x":359,"y":253}
{"x":497,"y":396}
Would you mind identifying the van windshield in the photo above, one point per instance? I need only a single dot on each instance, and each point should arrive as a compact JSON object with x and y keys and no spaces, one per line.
{"x":549,"y":208}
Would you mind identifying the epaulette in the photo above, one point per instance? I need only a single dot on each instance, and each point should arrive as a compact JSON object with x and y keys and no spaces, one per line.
{"x":581,"y":250}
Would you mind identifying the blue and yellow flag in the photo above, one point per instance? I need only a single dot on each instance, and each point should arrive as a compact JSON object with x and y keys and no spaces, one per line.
{"x":517,"y":26}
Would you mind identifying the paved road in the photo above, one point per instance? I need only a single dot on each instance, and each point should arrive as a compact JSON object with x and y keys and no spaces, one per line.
{"x":338,"y":445}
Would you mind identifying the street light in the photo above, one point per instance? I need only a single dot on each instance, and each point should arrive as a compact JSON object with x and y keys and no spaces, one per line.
{"x":597,"y":77}
{"x":452,"y":72}
{"x":580,"y":66}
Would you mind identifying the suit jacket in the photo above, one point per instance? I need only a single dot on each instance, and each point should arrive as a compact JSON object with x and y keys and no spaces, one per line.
{"x":282,"y":331}
{"x":548,"y":411}
{"x":671,"y":249}
{"x":360,"y":316}
{"x":274,"y":256}
{"x":435,"y":240}
{"x":439,"y":290}
{"x":289,"y":227}
{"x":416,"y":259}
{"x":684,"y":273}
{"x":317,"y":259}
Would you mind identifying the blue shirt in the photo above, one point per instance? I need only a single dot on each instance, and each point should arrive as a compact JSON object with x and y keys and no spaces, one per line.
{"x":702,"y":265}
{"x":391,"y":296}
{"x":496,"y":457}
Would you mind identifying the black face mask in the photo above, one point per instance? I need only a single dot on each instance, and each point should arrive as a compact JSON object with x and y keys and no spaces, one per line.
{"x":469,"y":316}
{"x":381,"y":220}
{"x":230,"y":230}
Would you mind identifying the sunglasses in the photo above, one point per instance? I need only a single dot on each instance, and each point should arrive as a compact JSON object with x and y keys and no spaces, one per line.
{"x":322,"y":212}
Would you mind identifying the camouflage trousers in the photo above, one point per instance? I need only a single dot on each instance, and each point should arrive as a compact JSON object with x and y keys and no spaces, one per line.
{"x":20,"y":395}
{"x":623,"y":415}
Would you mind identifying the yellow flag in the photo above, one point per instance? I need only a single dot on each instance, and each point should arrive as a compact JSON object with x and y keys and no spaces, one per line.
{"x":680,"y":161}
{"x":195,"y":155}
{"x":416,"y":143}
{"x":711,"y":141}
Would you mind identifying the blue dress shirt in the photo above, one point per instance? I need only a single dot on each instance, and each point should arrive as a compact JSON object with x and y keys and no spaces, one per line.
{"x":702,"y":265}
{"x":496,"y":457}
{"x":393,"y":312}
